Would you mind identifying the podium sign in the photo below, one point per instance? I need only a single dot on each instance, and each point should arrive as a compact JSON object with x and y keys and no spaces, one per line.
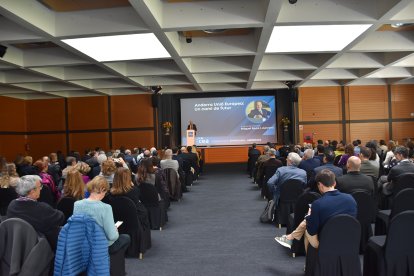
{"x":190,"y":137}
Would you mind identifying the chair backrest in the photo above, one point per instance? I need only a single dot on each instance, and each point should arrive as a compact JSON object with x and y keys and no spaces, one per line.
{"x":6,"y":196}
{"x":404,"y":181}
{"x":367,"y":209}
{"x":173,"y":183}
{"x":340,"y":236}
{"x":65,"y":204}
{"x":22,"y":251}
{"x":400,"y":242}
{"x":403,"y":201}
{"x":148,"y":194}
{"x":124,"y":209}
{"x":46,"y":196}
{"x":269,"y":171}
{"x":302,"y":205}
{"x":291,"y":190}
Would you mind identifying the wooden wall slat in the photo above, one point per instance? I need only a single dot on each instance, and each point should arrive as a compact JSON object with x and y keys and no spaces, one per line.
{"x":369,"y":131}
{"x":45,"y":115}
{"x":402,"y":131}
{"x":225,"y":155}
{"x":368,"y":102}
{"x":43,"y":144}
{"x":88,"y":113}
{"x":11,"y":145}
{"x":132,"y":139}
{"x":320,"y":104}
{"x":402,"y":101}
{"x":322,"y":131}
{"x":12,"y":114}
{"x":81,"y":141}
{"x":131,"y":111}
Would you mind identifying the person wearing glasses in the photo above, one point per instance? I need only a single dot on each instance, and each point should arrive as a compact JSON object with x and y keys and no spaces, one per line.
{"x":44,"y":219}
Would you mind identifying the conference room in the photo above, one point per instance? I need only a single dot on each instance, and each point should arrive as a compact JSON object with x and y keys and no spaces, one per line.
{"x":110,"y":75}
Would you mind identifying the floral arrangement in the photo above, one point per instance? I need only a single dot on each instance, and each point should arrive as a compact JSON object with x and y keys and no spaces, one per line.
{"x":285,"y":121}
{"x":167,"y":125}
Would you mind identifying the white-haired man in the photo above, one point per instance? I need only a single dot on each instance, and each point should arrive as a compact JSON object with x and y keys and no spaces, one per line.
{"x":41,"y":216}
{"x":291,"y":171}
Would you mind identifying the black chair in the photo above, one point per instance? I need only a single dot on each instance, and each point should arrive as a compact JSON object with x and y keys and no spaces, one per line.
{"x":392,"y":254}
{"x":269,"y":171}
{"x":46,"y":196}
{"x":65,"y":204}
{"x":189,"y":176}
{"x":301,"y":209}
{"x":289,"y":193}
{"x":6,"y":196}
{"x":404,"y":181}
{"x":174,"y":184}
{"x":367,"y":212}
{"x":155,"y":206}
{"x":22,"y":250}
{"x":403,"y":201}
{"x":124,"y":209}
{"x":338,"y":252}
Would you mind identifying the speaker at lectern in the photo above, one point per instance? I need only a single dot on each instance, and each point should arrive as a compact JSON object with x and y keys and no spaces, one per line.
{"x":190,"y":137}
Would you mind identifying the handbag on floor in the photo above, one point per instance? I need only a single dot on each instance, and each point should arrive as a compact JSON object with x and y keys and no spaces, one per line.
{"x":268,"y":213}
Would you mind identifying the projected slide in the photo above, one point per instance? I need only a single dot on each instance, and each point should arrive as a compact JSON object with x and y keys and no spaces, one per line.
{"x":230,"y":120}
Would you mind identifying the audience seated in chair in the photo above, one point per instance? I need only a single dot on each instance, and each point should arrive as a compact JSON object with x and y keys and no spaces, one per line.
{"x":330,"y":204}
{"x":41,"y":216}
{"x":102,"y":213}
{"x":328,"y":160}
{"x":73,"y":190}
{"x":291,"y":171}
{"x":354,"y":179}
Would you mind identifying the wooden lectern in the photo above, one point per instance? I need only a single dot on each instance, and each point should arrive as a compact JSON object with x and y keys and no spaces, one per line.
{"x":190,"y":137}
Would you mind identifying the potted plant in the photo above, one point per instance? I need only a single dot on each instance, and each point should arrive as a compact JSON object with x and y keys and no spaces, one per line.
{"x":285,"y":122}
{"x":167,"y":127}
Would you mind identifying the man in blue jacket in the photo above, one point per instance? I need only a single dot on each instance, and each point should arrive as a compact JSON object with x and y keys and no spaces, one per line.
{"x":332,"y":203}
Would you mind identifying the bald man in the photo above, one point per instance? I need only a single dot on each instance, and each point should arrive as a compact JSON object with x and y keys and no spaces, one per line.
{"x":354,"y":180}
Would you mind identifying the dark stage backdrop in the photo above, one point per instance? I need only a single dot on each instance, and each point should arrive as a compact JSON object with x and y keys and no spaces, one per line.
{"x":169,"y":110}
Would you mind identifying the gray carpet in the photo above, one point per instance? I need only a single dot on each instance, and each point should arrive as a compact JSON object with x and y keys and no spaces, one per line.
{"x":215,"y":230}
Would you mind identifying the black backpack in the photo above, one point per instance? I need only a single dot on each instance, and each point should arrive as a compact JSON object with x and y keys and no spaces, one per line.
{"x":269,"y":212}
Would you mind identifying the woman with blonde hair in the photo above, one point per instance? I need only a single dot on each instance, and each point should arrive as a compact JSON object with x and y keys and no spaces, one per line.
{"x":74,"y":186}
{"x":84,"y":169}
{"x":26,"y":167}
{"x":122,"y":185}
{"x":102,"y":213}
{"x":9,"y":176}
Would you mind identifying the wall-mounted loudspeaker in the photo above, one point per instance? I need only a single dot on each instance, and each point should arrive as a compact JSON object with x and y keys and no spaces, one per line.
{"x":3,"y":50}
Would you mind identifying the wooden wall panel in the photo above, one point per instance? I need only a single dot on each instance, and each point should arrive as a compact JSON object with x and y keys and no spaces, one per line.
{"x":45,"y":115}
{"x":402,"y":130}
{"x":368,"y":102}
{"x":322,"y":131}
{"x":88,"y":113}
{"x":81,"y":141}
{"x":131,"y":111}
{"x":225,"y":155}
{"x":320,"y":104}
{"x":402,"y":101}
{"x":11,"y":145}
{"x":43,"y":144}
{"x":12,"y":114}
{"x":132,"y":139}
{"x":369,"y":131}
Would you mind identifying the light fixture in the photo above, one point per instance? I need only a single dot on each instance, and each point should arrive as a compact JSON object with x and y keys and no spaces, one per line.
{"x":313,"y":38}
{"x":120,"y":47}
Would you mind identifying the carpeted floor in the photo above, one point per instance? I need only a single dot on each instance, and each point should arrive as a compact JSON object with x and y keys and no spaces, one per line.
{"x":215,"y":230}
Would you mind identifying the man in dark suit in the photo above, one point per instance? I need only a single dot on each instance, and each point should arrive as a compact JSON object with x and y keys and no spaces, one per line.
{"x":354,"y":180}
{"x":309,"y":162}
{"x":404,"y":166}
{"x":192,"y":126}
{"x":259,"y":113}
{"x":328,"y":159}
{"x":253,"y":155}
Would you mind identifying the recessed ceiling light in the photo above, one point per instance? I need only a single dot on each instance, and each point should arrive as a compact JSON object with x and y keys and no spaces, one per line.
{"x":120,"y":47}
{"x":313,"y":38}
